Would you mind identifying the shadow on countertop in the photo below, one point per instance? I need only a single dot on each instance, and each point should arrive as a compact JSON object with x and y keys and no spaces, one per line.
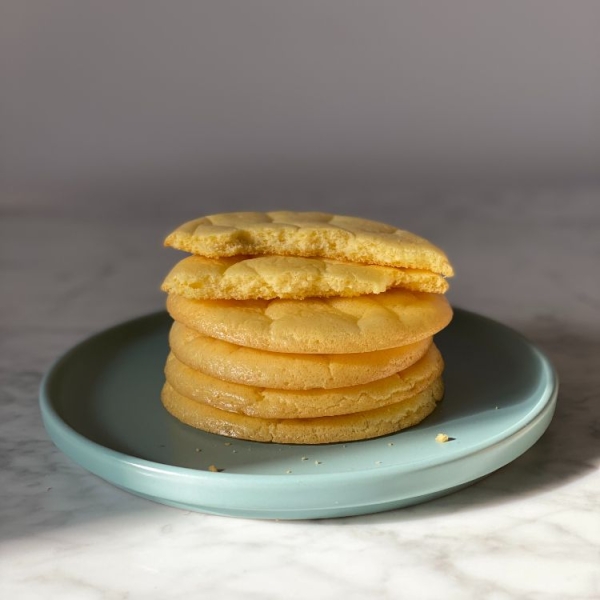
{"x":567,"y":451}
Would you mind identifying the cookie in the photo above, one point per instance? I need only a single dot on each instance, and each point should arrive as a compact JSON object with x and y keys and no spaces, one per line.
{"x":335,"y":325}
{"x":272,"y":403}
{"x":309,"y":234}
{"x":320,"y":430}
{"x":292,"y":277}
{"x":286,"y":370}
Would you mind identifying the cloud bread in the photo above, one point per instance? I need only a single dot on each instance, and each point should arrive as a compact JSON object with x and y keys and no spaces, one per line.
{"x":367,"y":323}
{"x":309,"y":234}
{"x":292,"y":277}
{"x":287,"y":370}
{"x":320,"y":430}
{"x":286,"y":404}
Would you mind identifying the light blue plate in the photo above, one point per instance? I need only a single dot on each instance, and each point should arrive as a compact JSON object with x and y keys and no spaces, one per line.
{"x":100,"y":404}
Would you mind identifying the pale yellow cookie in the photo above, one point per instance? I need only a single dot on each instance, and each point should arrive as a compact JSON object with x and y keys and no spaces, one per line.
{"x":271,"y":403}
{"x":320,"y":430}
{"x":318,"y":325}
{"x":311,"y":234}
{"x":268,"y":277}
{"x":286,"y":370}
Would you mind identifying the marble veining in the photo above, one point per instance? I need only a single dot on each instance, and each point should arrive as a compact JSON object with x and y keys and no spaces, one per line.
{"x":529,"y":531}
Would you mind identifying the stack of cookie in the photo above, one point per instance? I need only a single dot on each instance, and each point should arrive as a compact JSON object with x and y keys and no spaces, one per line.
{"x":303,"y":328}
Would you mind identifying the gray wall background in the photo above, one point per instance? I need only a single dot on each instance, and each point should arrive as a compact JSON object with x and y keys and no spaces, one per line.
{"x":232,"y":97}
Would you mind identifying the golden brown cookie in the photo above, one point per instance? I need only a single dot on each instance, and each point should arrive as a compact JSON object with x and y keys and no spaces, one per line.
{"x":320,"y":430}
{"x":268,"y":277}
{"x":272,"y":403}
{"x":311,"y":234}
{"x":281,"y":370}
{"x":318,"y":325}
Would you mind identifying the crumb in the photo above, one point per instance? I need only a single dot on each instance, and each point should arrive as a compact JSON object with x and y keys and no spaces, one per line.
{"x":496,"y":408}
{"x":318,"y":462}
{"x":289,"y":471}
{"x":233,"y":451}
{"x":304,"y":458}
{"x":228,"y":443}
{"x":391,"y":444}
{"x":377,"y":462}
{"x":198,"y":450}
{"x":442,"y":438}
{"x":214,"y":469}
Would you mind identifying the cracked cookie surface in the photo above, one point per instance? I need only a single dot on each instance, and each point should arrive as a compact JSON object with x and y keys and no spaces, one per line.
{"x":290,"y":277}
{"x":308,"y":234}
{"x":318,"y":325}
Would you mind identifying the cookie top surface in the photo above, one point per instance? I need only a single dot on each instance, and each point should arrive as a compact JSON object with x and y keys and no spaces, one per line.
{"x":292,"y":404}
{"x":292,"y":277}
{"x":281,"y":370}
{"x":309,"y":234}
{"x":319,"y":430}
{"x":318,"y":325}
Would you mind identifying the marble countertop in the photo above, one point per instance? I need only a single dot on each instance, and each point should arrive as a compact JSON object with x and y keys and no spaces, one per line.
{"x":71,"y":267}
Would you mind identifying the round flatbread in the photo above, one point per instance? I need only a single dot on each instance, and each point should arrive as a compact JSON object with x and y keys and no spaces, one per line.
{"x":318,"y":325}
{"x":268,"y":277}
{"x":280,"y":370}
{"x":321,"y":430}
{"x":312,"y":234}
{"x":272,"y":403}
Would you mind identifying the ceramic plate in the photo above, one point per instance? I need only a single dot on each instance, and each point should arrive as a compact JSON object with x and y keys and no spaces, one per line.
{"x":100,"y":404}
